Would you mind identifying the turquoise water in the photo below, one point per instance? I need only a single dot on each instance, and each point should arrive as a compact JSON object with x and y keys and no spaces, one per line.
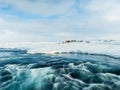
{"x":22,"y":71}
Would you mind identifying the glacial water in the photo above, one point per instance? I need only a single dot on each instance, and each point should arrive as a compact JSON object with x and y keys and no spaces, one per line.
{"x":67,"y":71}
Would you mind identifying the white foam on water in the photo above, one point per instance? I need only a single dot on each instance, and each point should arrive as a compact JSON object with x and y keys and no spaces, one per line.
{"x":74,"y":77}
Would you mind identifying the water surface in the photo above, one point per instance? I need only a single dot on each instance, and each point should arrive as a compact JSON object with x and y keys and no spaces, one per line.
{"x":22,"y":71}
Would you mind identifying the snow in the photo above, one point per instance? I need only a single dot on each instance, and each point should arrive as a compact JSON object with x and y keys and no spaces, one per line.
{"x":94,"y":47}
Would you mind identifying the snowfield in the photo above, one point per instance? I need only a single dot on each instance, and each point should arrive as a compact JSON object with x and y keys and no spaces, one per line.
{"x":106,"y":47}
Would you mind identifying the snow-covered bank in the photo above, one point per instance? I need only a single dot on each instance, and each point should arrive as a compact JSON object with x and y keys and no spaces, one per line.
{"x":94,"y":47}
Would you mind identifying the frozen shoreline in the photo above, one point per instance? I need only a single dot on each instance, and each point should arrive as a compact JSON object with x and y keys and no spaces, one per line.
{"x":94,"y":47}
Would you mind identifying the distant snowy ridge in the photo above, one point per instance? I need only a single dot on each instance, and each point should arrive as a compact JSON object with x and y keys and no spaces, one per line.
{"x":111,"y":48}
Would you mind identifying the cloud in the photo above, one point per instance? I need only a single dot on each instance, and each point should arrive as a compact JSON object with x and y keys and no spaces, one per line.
{"x":11,"y":36}
{"x":106,"y":9}
{"x":52,"y":20}
{"x":38,"y":7}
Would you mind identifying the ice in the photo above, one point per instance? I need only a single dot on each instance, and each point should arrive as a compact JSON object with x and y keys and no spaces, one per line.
{"x":106,"y":47}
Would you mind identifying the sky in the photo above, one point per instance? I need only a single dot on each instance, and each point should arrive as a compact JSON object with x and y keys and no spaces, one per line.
{"x":58,"y":20}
